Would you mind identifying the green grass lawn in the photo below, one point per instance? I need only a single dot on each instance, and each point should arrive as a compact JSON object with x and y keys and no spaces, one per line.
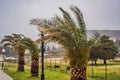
{"x":99,"y":73}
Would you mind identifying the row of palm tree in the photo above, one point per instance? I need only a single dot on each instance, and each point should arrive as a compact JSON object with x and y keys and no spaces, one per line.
{"x":72,"y":36}
{"x":19,"y":43}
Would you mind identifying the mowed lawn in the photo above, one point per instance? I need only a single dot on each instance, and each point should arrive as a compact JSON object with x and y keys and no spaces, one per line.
{"x":113,"y":72}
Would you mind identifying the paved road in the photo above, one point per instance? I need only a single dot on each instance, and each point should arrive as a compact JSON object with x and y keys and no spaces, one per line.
{"x":4,"y":76}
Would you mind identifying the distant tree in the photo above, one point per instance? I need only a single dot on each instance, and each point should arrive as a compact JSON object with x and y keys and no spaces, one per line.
{"x":108,"y":48}
{"x":94,"y":52}
{"x":48,"y":49}
{"x":104,"y":48}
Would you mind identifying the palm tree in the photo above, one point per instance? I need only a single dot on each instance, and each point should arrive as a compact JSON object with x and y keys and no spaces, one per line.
{"x":73,"y":37}
{"x":14,"y":41}
{"x":32,"y":46}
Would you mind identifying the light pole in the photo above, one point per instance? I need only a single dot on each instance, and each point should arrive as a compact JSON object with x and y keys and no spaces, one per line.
{"x":105,"y":61}
{"x":3,"y":51}
{"x":42,"y":56}
{"x":106,"y":70}
{"x":43,"y":30}
{"x":92,"y":69}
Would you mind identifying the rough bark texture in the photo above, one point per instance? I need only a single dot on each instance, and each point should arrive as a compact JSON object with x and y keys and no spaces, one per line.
{"x":78,"y":73}
{"x":21,"y":63}
{"x":34,"y":67}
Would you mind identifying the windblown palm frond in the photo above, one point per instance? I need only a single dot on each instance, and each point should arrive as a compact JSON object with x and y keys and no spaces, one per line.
{"x":70,"y":34}
{"x":31,"y":45}
{"x":73,"y":36}
{"x":15,"y":41}
{"x":7,"y":38}
{"x":96,"y":39}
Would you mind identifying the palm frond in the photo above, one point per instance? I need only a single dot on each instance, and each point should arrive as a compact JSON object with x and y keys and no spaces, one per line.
{"x":7,"y":44}
{"x":80,"y":20}
{"x":69,"y":34}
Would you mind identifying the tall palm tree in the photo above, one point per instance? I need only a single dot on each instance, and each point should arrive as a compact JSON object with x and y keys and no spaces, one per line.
{"x":14,"y":41}
{"x":33,"y":47}
{"x":73,"y":37}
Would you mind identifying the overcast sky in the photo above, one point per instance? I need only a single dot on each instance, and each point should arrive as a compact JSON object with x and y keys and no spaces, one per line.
{"x":15,"y":14}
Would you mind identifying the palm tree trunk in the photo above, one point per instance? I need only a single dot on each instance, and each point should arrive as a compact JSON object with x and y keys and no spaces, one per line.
{"x":104,"y":60}
{"x":21,"y":63}
{"x":78,"y":73}
{"x":34,"y":67}
{"x":95,"y":61}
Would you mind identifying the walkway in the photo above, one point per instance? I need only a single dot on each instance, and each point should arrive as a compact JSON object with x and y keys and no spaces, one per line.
{"x":4,"y":76}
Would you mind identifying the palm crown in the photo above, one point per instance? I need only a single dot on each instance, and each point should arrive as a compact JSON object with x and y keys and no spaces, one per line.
{"x":72,"y":36}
